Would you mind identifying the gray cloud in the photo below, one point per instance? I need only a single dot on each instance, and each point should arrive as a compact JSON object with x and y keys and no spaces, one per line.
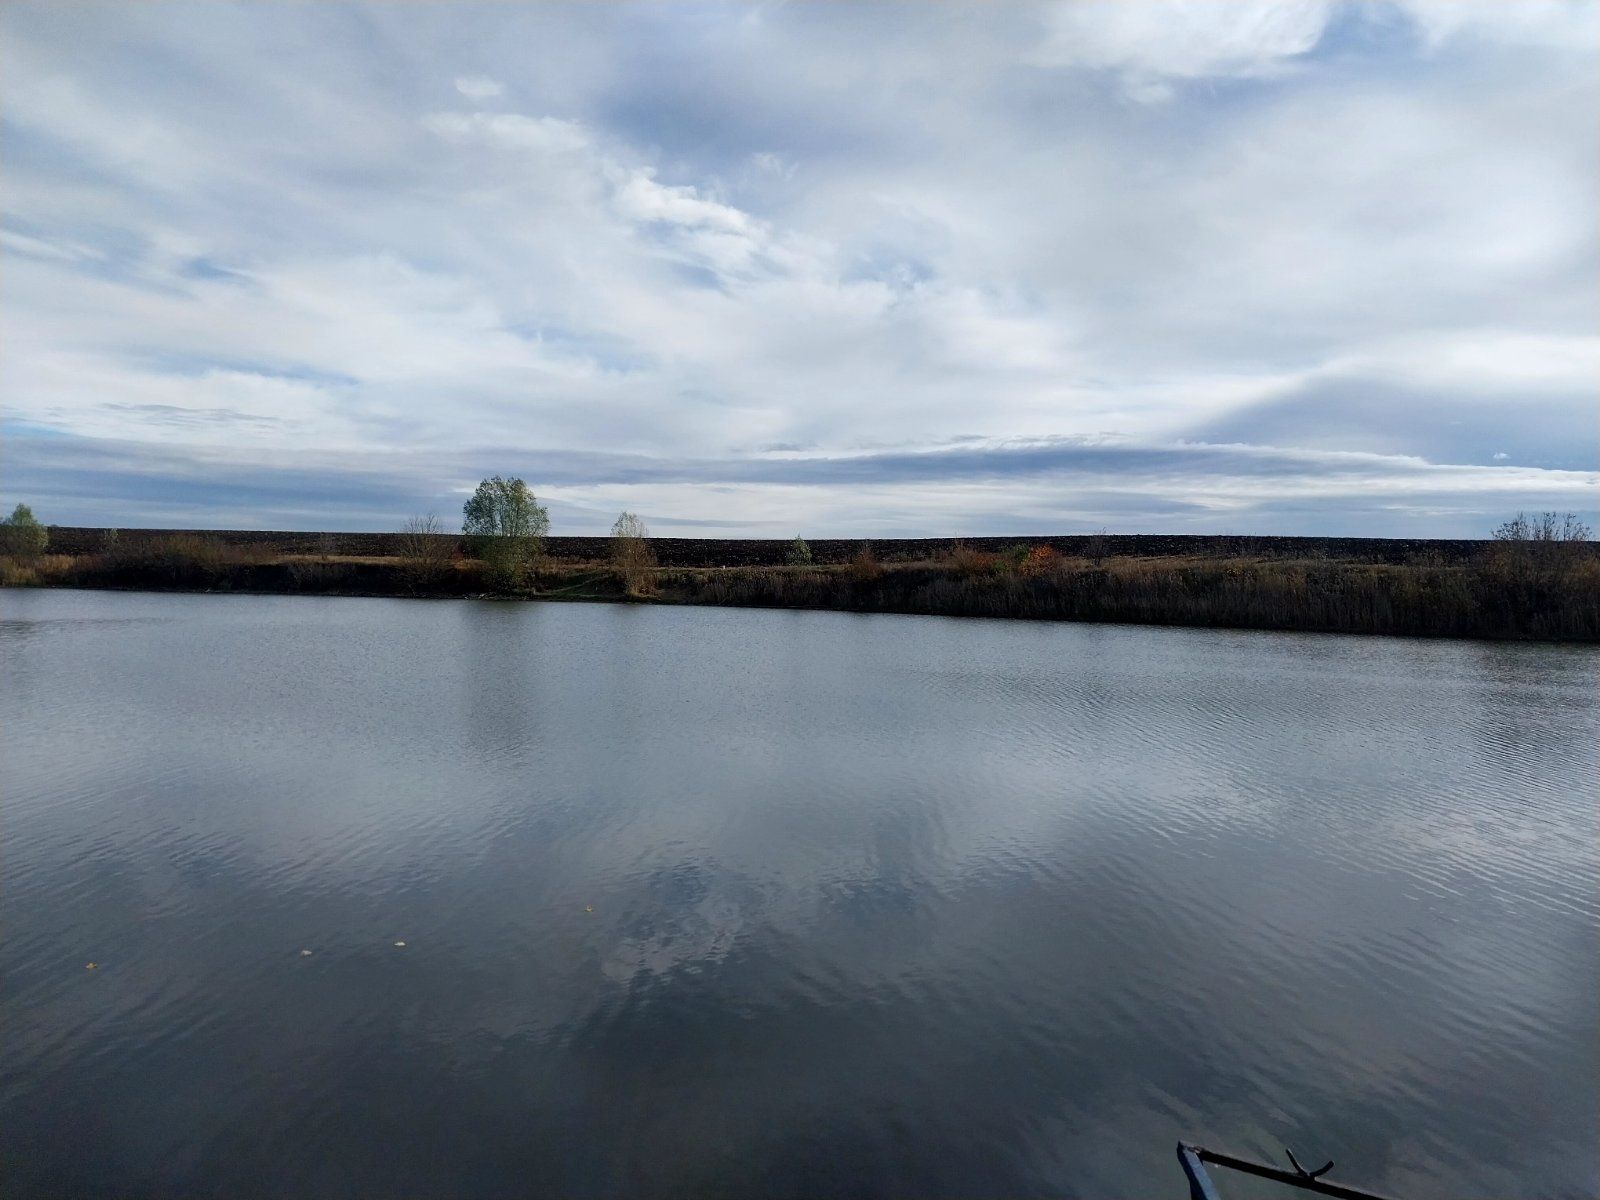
{"x":1465,"y":426}
{"x":1069,"y":483}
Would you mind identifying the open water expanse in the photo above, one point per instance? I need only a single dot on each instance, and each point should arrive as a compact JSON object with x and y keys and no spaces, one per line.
{"x":702,"y":902}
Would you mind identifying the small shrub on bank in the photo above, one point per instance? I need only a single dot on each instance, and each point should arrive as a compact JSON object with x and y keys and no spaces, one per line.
{"x":508,"y":563}
{"x":1015,"y":556}
{"x":1095,"y":547}
{"x":864,"y":568}
{"x":966,"y":562}
{"x":429,"y":553}
{"x":631,"y":554}
{"x":1041,"y":560}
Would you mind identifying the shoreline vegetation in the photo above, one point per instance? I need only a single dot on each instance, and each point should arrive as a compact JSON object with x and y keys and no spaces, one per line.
{"x":1508,"y":588}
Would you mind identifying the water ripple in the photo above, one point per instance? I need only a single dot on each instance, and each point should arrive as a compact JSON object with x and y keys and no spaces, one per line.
{"x":710,"y":902}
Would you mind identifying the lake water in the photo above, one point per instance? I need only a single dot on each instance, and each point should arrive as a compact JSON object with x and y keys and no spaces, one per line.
{"x":703,"y":902}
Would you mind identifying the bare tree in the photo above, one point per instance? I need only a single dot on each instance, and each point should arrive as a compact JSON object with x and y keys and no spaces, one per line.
{"x":426,"y":548}
{"x":630,"y":550}
{"x":1574,"y":530}
{"x":1538,"y":546}
{"x":1544,"y":527}
{"x":1094,"y":547}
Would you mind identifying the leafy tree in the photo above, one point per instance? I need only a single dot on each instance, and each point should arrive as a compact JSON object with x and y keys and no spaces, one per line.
{"x":799,"y":554}
{"x":504,"y":508}
{"x":21,"y":535}
{"x":508,"y":526}
{"x":630,"y":525}
{"x":630,"y":549}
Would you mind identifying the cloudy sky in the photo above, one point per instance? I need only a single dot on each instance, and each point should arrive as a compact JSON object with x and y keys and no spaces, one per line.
{"x":848,"y":269}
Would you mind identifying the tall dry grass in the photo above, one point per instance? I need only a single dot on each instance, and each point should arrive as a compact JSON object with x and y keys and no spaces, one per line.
{"x":178,"y":559}
{"x":1560,"y":600}
{"x":36,"y":570}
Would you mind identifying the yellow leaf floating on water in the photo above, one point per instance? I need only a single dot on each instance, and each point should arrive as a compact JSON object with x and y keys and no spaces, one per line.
{"x":588,"y":908}
{"x":399,"y":943}
{"x":90,"y":966}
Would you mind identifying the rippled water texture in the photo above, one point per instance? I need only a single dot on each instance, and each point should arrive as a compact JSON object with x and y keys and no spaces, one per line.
{"x":703,"y":902}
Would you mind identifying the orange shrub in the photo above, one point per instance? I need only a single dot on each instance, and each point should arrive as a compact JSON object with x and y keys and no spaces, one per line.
{"x":1041,"y":560}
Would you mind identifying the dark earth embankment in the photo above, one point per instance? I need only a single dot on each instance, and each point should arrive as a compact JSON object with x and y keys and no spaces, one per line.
{"x":769,"y":552}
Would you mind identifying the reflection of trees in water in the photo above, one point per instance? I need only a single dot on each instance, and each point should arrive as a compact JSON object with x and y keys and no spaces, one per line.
{"x":24,"y":629}
{"x":626,"y":681}
{"x":21,"y":631}
{"x":1533,"y":705}
{"x":499,"y":652}
{"x":693,"y":914}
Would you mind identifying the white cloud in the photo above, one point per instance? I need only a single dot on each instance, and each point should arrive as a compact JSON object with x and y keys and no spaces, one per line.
{"x":21,"y":243}
{"x":1155,"y":40}
{"x":1571,"y":25}
{"x":537,"y":134}
{"x":479,"y":87}
{"x":768,"y":163}
{"x":959,"y":246}
{"x":641,"y":198}
{"x":1483,"y":360}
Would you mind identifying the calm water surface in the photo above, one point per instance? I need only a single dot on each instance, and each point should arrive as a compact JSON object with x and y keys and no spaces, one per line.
{"x":702,"y":902}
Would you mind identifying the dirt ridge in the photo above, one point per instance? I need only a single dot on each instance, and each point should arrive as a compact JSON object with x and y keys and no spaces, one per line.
{"x":764,"y":552}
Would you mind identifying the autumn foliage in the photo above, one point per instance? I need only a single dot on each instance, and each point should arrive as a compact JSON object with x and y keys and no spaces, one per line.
{"x":1041,"y":560}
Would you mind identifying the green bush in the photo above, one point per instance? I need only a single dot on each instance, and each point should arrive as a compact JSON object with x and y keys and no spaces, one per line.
{"x":21,"y":535}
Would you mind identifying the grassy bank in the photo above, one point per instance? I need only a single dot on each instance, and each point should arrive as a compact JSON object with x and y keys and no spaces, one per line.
{"x":1457,"y":589}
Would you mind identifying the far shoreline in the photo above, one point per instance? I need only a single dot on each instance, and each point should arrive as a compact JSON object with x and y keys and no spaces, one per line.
{"x":1477,"y":590}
